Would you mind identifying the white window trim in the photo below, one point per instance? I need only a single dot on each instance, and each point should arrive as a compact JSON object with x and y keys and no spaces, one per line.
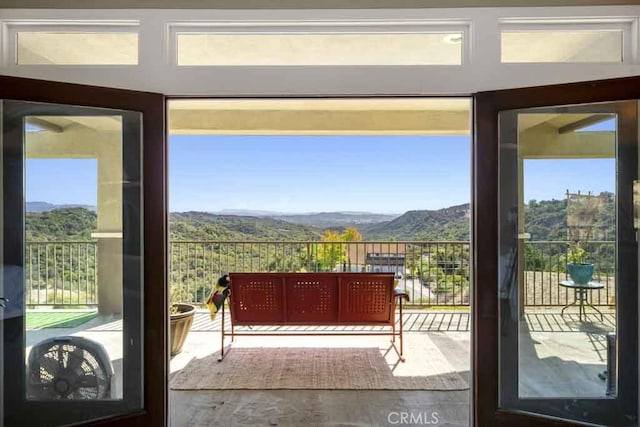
{"x":481,"y":70}
{"x":628,"y":26}
{"x":10,"y":29}
{"x":320,"y":27}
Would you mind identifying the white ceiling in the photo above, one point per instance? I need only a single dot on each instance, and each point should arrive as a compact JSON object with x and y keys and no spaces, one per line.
{"x":295,"y":4}
{"x":414,"y":116}
{"x":481,"y":68}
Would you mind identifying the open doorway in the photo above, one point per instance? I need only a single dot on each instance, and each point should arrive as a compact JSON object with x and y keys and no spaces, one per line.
{"x":324,"y":186}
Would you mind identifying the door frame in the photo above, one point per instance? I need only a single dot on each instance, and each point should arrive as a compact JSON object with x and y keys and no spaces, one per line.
{"x":154,"y":161}
{"x":485,"y":230}
{"x":485,"y":179}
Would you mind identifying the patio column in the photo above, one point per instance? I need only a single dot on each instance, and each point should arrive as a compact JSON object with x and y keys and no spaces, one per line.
{"x":76,"y":141}
{"x":109,"y":232}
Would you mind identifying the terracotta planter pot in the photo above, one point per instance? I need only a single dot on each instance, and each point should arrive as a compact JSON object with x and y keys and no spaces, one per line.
{"x":180,"y":326}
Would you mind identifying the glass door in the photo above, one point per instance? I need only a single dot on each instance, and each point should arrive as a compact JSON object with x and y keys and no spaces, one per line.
{"x":82,"y":222}
{"x":556,"y":255}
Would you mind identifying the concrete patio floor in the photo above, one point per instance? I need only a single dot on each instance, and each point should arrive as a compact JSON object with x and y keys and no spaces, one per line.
{"x":318,"y":407}
{"x":560,"y":356}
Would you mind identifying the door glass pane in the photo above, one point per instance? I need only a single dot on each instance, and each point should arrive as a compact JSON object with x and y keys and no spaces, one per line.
{"x":72,"y":216}
{"x":567,"y":250}
{"x":563,"y":225}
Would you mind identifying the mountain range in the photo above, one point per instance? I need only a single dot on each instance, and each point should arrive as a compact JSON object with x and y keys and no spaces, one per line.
{"x":47,"y":207}
{"x":337,"y":219}
{"x":544,"y":220}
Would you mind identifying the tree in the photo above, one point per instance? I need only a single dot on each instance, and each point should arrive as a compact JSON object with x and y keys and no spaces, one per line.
{"x":332,"y":253}
{"x":351,"y":234}
{"x":328,"y":254}
{"x":413,"y":259}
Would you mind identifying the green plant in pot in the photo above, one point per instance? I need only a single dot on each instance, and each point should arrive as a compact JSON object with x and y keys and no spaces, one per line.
{"x":181,"y":318}
{"x":583,"y":211}
{"x":578,"y":267}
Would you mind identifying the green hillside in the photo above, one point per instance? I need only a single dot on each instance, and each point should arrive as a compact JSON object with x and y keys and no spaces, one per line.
{"x":547,"y":219}
{"x":60,"y":225}
{"x":206,"y":226}
{"x":78,"y":224}
{"x":544,"y":220}
{"x":445,"y":224}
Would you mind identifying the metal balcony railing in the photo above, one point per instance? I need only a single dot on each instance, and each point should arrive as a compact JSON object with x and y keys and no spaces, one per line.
{"x":431,"y":272}
{"x":61,"y":273}
{"x":546,"y":265}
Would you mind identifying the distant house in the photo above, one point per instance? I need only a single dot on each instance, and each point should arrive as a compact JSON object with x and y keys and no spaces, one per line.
{"x":376,"y":257}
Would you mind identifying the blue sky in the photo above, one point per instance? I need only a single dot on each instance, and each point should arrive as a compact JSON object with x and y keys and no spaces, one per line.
{"x":318,"y":173}
{"x":62,"y":181}
{"x":387,"y":174}
{"x":550,"y":179}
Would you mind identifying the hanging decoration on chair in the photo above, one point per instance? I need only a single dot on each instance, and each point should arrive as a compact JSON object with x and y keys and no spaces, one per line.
{"x":218,"y":294}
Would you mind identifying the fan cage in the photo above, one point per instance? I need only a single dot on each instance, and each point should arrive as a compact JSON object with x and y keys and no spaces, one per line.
{"x":69,"y":368}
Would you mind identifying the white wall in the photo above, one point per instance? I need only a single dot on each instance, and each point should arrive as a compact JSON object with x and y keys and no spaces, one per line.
{"x":481,"y":70}
{"x":295,"y":4}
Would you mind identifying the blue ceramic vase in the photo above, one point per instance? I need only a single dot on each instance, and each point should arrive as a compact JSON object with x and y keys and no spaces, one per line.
{"x":580,"y":273}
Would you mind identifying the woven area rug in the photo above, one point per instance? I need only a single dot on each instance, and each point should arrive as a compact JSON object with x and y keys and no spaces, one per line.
{"x":347,"y":368}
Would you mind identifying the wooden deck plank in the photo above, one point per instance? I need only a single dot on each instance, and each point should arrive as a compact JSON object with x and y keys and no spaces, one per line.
{"x":425,"y":316}
{"x":425,"y":320}
{"x":411,"y":321}
{"x":449,"y":317}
